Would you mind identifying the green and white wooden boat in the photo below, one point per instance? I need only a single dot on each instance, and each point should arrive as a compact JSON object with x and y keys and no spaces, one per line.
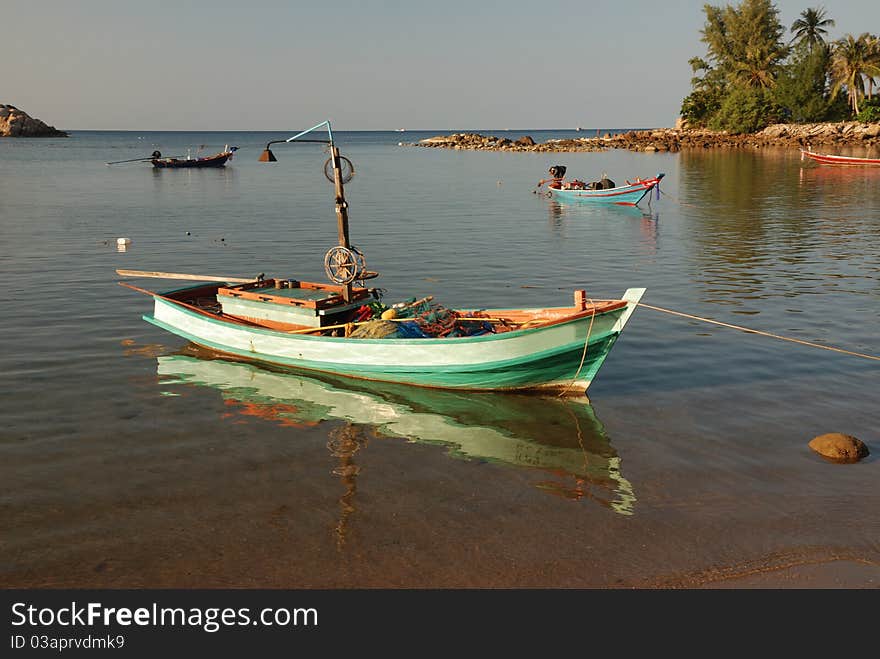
{"x":307,"y":326}
{"x":549,"y":348}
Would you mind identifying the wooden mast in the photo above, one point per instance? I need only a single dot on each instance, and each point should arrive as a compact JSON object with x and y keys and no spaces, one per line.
{"x":341,"y":211}
{"x":346,"y":250}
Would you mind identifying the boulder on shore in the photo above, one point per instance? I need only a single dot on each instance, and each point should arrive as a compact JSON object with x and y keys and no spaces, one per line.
{"x":15,"y":123}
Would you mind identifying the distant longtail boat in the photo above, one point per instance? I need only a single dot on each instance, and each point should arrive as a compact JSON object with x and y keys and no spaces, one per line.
{"x":217,"y":160}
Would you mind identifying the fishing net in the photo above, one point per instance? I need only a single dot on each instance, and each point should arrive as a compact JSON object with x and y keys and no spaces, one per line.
{"x":375,"y":329}
{"x":346,"y":169}
{"x":417,"y":319}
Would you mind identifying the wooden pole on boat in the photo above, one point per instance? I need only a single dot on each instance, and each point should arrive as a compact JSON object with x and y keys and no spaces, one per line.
{"x":116,"y":162}
{"x":341,"y":211}
{"x":181,"y":275}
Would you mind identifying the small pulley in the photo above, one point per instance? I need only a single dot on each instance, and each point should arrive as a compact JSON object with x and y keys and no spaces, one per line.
{"x":345,"y":265}
{"x":345,"y":167}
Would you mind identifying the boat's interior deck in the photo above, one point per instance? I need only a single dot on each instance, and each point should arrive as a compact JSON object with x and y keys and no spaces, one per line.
{"x":307,"y":308}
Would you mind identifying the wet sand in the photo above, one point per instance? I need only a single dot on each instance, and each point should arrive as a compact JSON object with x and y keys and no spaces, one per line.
{"x":242,"y":504}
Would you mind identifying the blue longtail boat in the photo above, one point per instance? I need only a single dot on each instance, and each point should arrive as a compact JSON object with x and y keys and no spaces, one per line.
{"x":604,"y":190}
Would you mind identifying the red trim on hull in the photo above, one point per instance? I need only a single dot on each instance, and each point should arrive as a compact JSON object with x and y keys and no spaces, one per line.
{"x":828,"y":159}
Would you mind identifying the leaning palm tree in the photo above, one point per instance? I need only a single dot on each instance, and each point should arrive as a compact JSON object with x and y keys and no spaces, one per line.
{"x":853,"y":61}
{"x":873,"y":57}
{"x":810,"y":27}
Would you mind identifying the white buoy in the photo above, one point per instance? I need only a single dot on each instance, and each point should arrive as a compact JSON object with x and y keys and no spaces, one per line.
{"x":123,"y":241}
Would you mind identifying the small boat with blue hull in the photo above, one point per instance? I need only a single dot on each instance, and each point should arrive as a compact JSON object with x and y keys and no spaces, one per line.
{"x":602,"y":191}
{"x":343,"y":329}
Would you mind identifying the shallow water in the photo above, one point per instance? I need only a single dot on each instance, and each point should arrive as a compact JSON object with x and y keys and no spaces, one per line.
{"x":129,"y":459}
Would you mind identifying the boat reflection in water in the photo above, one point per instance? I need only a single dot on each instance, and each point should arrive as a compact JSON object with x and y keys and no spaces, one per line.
{"x":835,"y":176}
{"x":560,"y":438}
{"x":581,"y":210}
{"x":648,"y":219}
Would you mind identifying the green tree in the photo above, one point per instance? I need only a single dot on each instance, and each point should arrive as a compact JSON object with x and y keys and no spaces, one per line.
{"x":810,"y":27}
{"x":745,"y":38}
{"x":870,"y":111}
{"x":744,"y":52}
{"x":708,"y":91}
{"x":745,"y":110}
{"x":801,"y":88}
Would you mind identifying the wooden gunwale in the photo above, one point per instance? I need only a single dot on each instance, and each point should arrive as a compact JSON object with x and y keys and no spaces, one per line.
{"x":191,"y":292}
{"x":526,"y":318}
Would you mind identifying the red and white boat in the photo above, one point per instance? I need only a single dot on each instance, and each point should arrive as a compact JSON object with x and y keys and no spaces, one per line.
{"x":826,"y":159}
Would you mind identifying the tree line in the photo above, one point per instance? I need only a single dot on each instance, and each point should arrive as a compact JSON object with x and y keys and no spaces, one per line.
{"x":752,"y":77}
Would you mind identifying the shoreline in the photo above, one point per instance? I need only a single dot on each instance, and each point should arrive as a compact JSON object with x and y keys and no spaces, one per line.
{"x":671,"y":139}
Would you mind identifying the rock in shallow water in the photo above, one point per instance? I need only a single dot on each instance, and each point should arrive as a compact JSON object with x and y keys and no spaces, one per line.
{"x":839,"y":447}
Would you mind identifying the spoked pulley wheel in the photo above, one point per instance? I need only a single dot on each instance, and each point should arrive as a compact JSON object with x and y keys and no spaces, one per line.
{"x":345,"y":167}
{"x":344,"y":265}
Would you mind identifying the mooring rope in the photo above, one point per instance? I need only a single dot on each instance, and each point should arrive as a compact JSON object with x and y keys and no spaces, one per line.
{"x":753,"y":331}
{"x":584,"y":355}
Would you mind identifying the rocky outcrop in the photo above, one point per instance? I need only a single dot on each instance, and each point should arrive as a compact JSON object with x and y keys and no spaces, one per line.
{"x":673,"y":139}
{"x":15,"y":123}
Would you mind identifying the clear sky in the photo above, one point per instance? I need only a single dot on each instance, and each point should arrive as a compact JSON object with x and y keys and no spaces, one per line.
{"x":369,"y":65}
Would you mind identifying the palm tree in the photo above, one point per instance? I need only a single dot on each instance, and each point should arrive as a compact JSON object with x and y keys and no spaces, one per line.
{"x":852,"y":62}
{"x":810,"y":27}
{"x":758,"y":68}
{"x":873,"y":61}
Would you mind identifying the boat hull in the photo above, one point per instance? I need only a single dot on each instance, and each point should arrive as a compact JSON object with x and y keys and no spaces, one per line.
{"x":826,"y":159}
{"x":212,"y":161}
{"x":550,"y":357}
{"x":625,"y":195}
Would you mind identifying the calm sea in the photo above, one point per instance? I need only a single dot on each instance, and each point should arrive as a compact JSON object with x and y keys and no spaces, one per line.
{"x":129,"y":460}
